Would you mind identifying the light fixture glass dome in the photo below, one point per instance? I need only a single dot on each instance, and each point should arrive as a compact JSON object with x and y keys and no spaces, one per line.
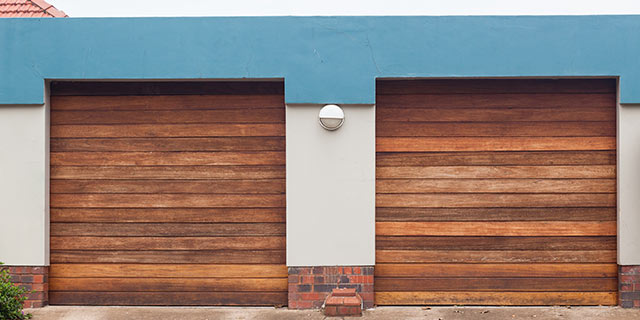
{"x":331,"y":117}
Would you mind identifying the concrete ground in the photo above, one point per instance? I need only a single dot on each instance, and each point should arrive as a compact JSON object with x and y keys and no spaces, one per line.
{"x":435,"y":313}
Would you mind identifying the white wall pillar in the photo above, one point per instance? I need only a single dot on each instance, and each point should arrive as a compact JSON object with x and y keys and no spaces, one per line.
{"x":24,"y":184}
{"x":629,"y":184}
{"x":330,"y":188}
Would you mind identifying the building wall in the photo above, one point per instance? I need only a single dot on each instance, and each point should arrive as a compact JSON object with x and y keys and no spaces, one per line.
{"x":24,"y":185}
{"x":330,"y":188}
{"x":629,"y":184}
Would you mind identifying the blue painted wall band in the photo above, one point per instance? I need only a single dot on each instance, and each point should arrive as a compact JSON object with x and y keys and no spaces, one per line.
{"x":322,"y":59}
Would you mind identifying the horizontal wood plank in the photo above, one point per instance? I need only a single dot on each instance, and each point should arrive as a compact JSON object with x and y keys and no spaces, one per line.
{"x":529,"y":228}
{"x":202,"y":144}
{"x":165,"y":102}
{"x":495,"y":256}
{"x":174,"y":256}
{"x":167,"y":158}
{"x":446,"y":200}
{"x":180,"y":215}
{"x":167,"y":200}
{"x":496,"y":214}
{"x":497,"y":129}
{"x":167,"y":172}
{"x":267,"y":186}
{"x":493,"y":114}
{"x":168,"y":298}
{"x":128,"y":88}
{"x":167,"y":271}
{"x":164,"y":229}
{"x":167,"y":243}
{"x":556,"y":270}
{"x":238,"y":115}
{"x":515,"y":85}
{"x":495,"y":243}
{"x":495,"y":185}
{"x":500,"y":172}
{"x":444,"y":144}
{"x":168,"y":284}
{"x":504,"y":100}
{"x":503,"y":158}
{"x":498,"y":284}
{"x":168,"y":130}
{"x":496,"y":298}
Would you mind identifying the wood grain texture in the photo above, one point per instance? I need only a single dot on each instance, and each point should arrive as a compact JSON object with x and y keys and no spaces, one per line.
{"x":496,"y":298}
{"x":496,"y":256}
{"x":168,"y":158}
{"x":529,"y":228}
{"x":437,"y":144}
{"x":496,"y":186}
{"x":497,"y":129}
{"x":497,"y":191}
{"x":168,"y":193}
{"x":180,"y":215}
{"x":234,"y":298}
{"x":169,"y":130}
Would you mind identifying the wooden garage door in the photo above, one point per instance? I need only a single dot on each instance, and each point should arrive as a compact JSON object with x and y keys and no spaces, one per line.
{"x":168,"y":194}
{"x":496,"y":192}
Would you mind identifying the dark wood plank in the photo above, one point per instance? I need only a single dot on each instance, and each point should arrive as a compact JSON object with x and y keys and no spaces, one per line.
{"x":504,"y":100}
{"x":511,"y":228}
{"x":506,"y":172}
{"x":440,"y":270}
{"x":167,"y":271}
{"x":496,"y":214}
{"x":495,"y":185}
{"x":515,"y":85}
{"x":166,"y":243}
{"x":496,"y":243}
{"x":169,"y":144}
{"x":497,"y":129}
{"x":496,"y":200}
{"x":167,"y":172}
{"x":168,"y":285}
{"x":509,"y":158}
{"x":274,"y":186}
{"x":165,"y":102}
{"x":496,"y":298}
{"x":172,"y":256}
{"x":127,"y":88}
{"x":493,"y":114}
{"x":495,"y":256}
{"x":180,"y":215}
{"x":498,"y":284}
{"x":169,"y":130}
{"x":164,"y":229}
{"x":264,"y":115}
{"x":168,"y":200}
{"x":167,"y":158}
{"x":168,"y":298}
{"x":443,"y":144}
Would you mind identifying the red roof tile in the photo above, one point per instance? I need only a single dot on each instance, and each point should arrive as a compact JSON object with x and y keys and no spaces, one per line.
{"x":28,"y":9}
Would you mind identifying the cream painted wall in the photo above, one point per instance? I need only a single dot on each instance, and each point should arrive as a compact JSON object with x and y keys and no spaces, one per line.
{"x":24,"y":185}
{"x":330,"y":188}
{"x":629,"y":184}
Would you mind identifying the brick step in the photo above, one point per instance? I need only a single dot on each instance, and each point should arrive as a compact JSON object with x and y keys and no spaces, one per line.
{"x":343,"y":303}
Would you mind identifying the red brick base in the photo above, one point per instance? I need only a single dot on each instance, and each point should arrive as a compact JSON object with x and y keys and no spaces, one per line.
{"x":310,"y":286}
{"x":32,"y":278}
{"x":629,"y":286}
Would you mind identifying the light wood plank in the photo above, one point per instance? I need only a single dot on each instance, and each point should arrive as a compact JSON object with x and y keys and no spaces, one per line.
{"x":167,"y":284}
{"x":494,"y":256}
{"x":496,"y":298}
{"x":438,"y":144}
{"x":199,"y":144}
{"x":168,"y":200}
{"x":495,"y":185}
{"x":504,"y":172}
{"x":166,"y":271}
{"x":164,"y":229}
{"x":180,"y":215}
{"x":168,"y":130}
{"x":167,"y":172}
{"x":556,"y":270}
{"x":496,"y":214}
{"x":493,"y":114}
{"x":496,"y":200}
{"x":167,"y":158}
{"x":278,"y":299}
{"x":238,"y":115}
{"x":174,"y":256}
{"x":531,"y":228}
{"x":167,"y":243}
{"x":273,"y":186}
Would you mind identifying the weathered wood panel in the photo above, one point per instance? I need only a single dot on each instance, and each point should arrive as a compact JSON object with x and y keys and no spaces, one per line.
{"x":496,"y":192}
{"x":168,"y":193}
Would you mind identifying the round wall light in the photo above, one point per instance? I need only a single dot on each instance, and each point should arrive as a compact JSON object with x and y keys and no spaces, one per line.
{"x":331,"y":117}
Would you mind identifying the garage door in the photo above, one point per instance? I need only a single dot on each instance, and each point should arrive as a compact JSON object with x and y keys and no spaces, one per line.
{"x":496,"y":192}
{"x":168,"y":193}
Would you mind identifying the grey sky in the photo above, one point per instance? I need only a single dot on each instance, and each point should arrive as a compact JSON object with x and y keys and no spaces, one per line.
{"x":146,"y":8}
